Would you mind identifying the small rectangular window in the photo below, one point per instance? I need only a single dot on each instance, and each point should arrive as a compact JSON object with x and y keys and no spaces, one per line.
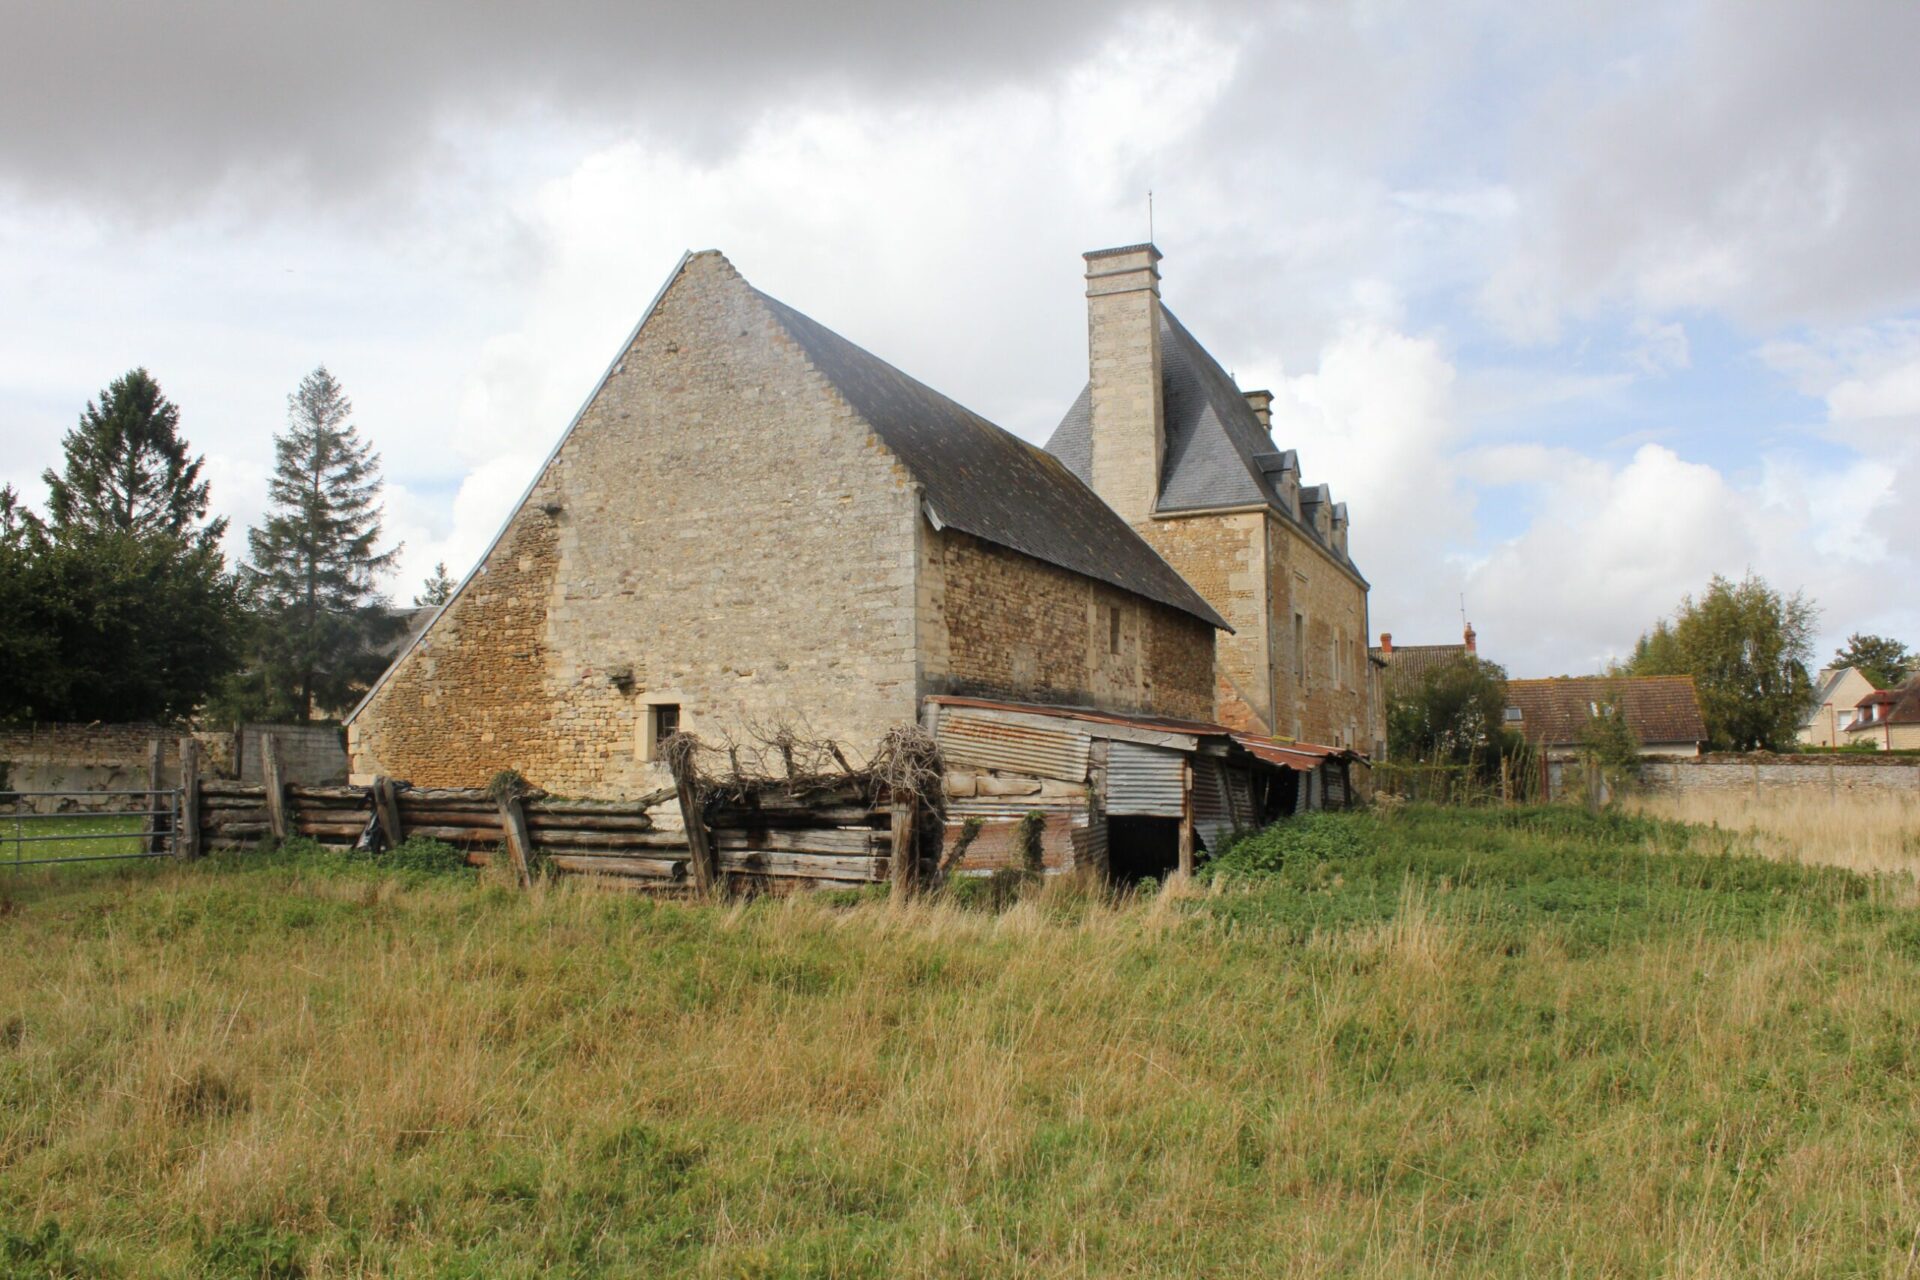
{"x":666,"y":723}
{"x":1113,"y":628}
{"x":1513,"y":714}
{"x":1300,"y":649}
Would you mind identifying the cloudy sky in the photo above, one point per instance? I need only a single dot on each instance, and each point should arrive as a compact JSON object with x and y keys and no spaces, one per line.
{"x":1574,"y":305}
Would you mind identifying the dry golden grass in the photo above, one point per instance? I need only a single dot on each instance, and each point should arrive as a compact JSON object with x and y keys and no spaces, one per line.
{"x":1870,"y":833}
{"x":1486,"y":1047}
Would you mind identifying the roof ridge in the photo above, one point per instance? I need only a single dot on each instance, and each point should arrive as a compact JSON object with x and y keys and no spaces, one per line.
{"x":1012,"y":493}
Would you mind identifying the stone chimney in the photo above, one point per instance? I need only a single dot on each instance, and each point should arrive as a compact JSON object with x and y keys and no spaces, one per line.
{"x":1129,"y":427}
{"x":1340,"y":527}
{"x":1471,"y":638}
{"x":1261,"y":403}
{"x":1386,"y":642}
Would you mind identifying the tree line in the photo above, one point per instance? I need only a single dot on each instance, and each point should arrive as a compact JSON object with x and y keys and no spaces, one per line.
{"x":1747,"y":645}
{"x":118,"y":604}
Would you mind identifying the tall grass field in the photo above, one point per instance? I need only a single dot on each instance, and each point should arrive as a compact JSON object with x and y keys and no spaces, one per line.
{"x":1517,"y":1043}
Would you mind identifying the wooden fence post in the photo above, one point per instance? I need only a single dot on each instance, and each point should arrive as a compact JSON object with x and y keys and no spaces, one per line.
{"x":1186,"y":819}
{"x":386,"y":803}
{"x":157,"y":814}
{"x":906,"y":850}
{"x":276,"y":786}
{"x":187,"y":838}
{"x":513,"y":818}
{"x":706,"y":871}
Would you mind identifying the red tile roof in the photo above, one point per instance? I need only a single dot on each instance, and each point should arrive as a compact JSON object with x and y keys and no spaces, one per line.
{"x":1555,"y":713}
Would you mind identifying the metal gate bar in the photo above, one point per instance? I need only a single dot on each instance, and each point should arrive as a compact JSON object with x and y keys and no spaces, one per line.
{"x":156,"y":835}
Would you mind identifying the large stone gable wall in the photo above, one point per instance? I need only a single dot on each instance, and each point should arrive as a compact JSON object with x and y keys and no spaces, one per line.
{"x":720,"y":531}
{"x":997,"y":623}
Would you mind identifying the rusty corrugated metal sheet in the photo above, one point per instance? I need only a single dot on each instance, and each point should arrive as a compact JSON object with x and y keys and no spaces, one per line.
{"x":1145,"y":781}
{"x":982,"y":742}
{"x":1212,"y":810}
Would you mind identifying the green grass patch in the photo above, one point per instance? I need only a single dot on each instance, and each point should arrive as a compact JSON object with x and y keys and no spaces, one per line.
{"x":1419,"y":1043}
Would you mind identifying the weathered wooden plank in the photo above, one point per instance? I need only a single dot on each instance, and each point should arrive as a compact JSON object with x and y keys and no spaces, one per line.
{"x":159,"y":806}
{"x":229,"y":787}
{"x":639,"y":804}
{"x":694,"y":819}
{"x":608,"y":839}
{"x":851,"y":815}
{"x":388,"y":807}
{"x":187,"y":843}
{"x":306,"y":826}
{"x":519,"y":842}
{"x":276,"y":786}
{"x":806,"y":866}
{"x":356,"y":794}
{"x":588,"y":822}
{"x":901,"y":836}
{"x":804,"y":840}
{"x":657,"y":868}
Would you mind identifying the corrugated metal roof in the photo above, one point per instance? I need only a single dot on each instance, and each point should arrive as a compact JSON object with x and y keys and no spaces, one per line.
{"x":987,"y":743}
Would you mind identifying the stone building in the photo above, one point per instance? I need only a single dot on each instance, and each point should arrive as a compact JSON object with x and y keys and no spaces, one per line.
{"x":754,"y":522}
{"x":1187,"y":459}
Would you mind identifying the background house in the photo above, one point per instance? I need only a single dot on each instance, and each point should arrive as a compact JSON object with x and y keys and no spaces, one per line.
{"x":1837,"y":692}
{"x":1887,"y":719}
{"x":1553,"y":715}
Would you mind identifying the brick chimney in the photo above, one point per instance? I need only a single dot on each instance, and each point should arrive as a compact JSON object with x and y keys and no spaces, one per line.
{"x":1470,"y":639}
{"x":1386,"y":642}
{"x":1123,"y":364}
{"x":1262,"y":404}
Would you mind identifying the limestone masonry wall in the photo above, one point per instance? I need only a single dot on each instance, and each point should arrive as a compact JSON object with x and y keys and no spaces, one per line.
{"x":720,"y":532}
{"x":1223,"y":557}
{"x":1324,"y":699}
{"x":1000,"y":624}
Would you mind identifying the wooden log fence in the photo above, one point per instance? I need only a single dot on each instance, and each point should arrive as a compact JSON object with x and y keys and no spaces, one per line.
{"x":774,"y":841}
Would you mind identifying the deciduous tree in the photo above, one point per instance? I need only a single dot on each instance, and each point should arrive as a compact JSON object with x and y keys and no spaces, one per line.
{"x":1746,"y":646}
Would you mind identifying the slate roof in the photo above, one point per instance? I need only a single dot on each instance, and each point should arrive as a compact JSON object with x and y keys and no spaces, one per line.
{"x":987,"y":482}
{"x":1407,"y":664}
{"x":1659,"y":709}
{"x":1214,"y":440}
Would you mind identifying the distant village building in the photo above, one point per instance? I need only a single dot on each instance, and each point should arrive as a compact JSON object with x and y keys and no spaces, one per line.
{"x":755,"y":524}
{"x":1837,"y":692}
{"x":1555,"y":715}
{"x":1400,"y":670}
{"x":1405,"y":666}
{"x":1886,"y":719}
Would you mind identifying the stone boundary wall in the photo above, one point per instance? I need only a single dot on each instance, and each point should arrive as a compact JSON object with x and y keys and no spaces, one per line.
{"x":113,"y":757}
{"x":1760,"y":773}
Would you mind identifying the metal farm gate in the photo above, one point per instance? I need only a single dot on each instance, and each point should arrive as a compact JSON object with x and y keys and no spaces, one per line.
{"x":134,"y":824}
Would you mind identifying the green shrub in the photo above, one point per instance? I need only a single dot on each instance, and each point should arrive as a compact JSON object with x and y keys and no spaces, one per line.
{"x":1304,"y":840}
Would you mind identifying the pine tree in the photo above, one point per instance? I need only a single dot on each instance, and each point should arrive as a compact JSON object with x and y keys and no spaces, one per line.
{"x":127,"y":469}
{"x":314,"y":564}
{"x":436,"y":590}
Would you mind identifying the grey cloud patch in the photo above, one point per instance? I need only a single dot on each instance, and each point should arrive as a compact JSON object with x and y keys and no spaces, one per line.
{"x":156,"y":105}
{"x":1767,"y":162}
